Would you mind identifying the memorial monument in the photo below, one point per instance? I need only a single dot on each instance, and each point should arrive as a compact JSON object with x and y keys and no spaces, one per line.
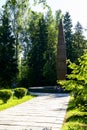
{"x":61,"y":54}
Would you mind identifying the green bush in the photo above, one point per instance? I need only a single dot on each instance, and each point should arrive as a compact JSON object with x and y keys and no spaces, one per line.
{"x":77,"y":81}
{"x":20,"y":92}
{"x":72,"y":126}
{"x":5,"y":95}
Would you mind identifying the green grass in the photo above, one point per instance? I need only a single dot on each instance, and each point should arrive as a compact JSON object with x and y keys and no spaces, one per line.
{"x":75,"y":119}
{"x":14,"y":101}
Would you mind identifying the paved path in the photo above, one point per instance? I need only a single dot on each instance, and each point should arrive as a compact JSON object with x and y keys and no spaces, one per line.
{"x":45,"y":112}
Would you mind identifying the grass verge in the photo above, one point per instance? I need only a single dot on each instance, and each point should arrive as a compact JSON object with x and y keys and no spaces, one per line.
{"x":75,"y":118}
{"x":14,"y":101}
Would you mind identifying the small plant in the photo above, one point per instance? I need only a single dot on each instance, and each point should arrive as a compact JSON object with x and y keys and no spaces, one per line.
{"x":5,"y":95}
{"x":20,"y":92}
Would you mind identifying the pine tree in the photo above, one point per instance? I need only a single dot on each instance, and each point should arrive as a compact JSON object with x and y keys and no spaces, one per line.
{"x":49,"y":70}
{"x":79,"y":42}
{"x":8,"y":64}
{"x":38,"y":35}
{"x":68,"y":35}
{"x":58,"y":16}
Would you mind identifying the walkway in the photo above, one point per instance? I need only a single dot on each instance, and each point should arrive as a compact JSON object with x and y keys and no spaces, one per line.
{"x":45,"y":112}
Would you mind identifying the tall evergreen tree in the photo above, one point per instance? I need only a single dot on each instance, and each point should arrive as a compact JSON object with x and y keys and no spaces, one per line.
{"x":79,"y":42}
{"x":20,"y":13}
{"x":68,"y":35}
{"x":8,"y":64}
{"x":38,"y":35}
{"x":49,"y":70}
{"x":58,"y":16}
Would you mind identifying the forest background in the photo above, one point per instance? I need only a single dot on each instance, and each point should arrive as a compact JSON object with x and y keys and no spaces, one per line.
{"x":28,"y":43}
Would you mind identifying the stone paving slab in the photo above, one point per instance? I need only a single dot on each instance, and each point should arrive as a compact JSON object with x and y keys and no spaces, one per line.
{"x":45,"y":112}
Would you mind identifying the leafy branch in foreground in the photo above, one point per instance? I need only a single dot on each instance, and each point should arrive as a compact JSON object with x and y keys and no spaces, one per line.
{"x":77,"y":81}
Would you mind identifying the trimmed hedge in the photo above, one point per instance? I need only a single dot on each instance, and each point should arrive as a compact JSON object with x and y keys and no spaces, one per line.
{"x":5,"y":95}
{"x":20,"y":92}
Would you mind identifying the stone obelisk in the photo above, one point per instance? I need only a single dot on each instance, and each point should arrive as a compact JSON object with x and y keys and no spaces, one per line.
{"x":61,"y":54}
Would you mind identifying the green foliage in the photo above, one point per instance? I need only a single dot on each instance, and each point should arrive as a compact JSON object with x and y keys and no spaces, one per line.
{"x":5,"y":95}
{"x":8,"y":64}
{"x":76,"y":43}
{"x":49,"y":68}
{"x":29,"y":31}
{"x":79,"y":43}
{"x":75,"y":118}
{"x":72,"y":126}
{"x":68,"y":35}
{"x":15,"y":101}
{"x":24,"y":31}
{"x":42,"y":53}
{"x":38,"y":35}
{"x":40,"y":1}
{"x":20,"y":92}
{"x":58,"y":16}
{"x":77,"y":81}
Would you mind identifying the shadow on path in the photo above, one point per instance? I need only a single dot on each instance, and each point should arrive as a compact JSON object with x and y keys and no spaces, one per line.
{"x":45,"y":112}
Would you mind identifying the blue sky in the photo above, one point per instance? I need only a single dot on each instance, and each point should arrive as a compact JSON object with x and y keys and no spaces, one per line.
{"x":76,"y":8}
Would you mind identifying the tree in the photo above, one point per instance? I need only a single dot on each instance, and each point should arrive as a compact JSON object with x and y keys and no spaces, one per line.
{"x":49,"y":69}
{"x":68,"y":35}
{"x":38,"y":35}
{"x":20,"y":12}
{"x":58,"y":16}
{"x":8,"y":64}
{"x":79,"y":42}
{"x":77,"y":82}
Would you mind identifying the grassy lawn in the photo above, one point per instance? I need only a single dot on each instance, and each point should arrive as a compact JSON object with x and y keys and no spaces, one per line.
{"x":75,"y":118}
{"x":14,"y":101}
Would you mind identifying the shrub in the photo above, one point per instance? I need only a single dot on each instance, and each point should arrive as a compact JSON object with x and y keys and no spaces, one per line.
{"x":5,"y":95}
{"x":77,"y":81}
{"x":20,"y":92}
